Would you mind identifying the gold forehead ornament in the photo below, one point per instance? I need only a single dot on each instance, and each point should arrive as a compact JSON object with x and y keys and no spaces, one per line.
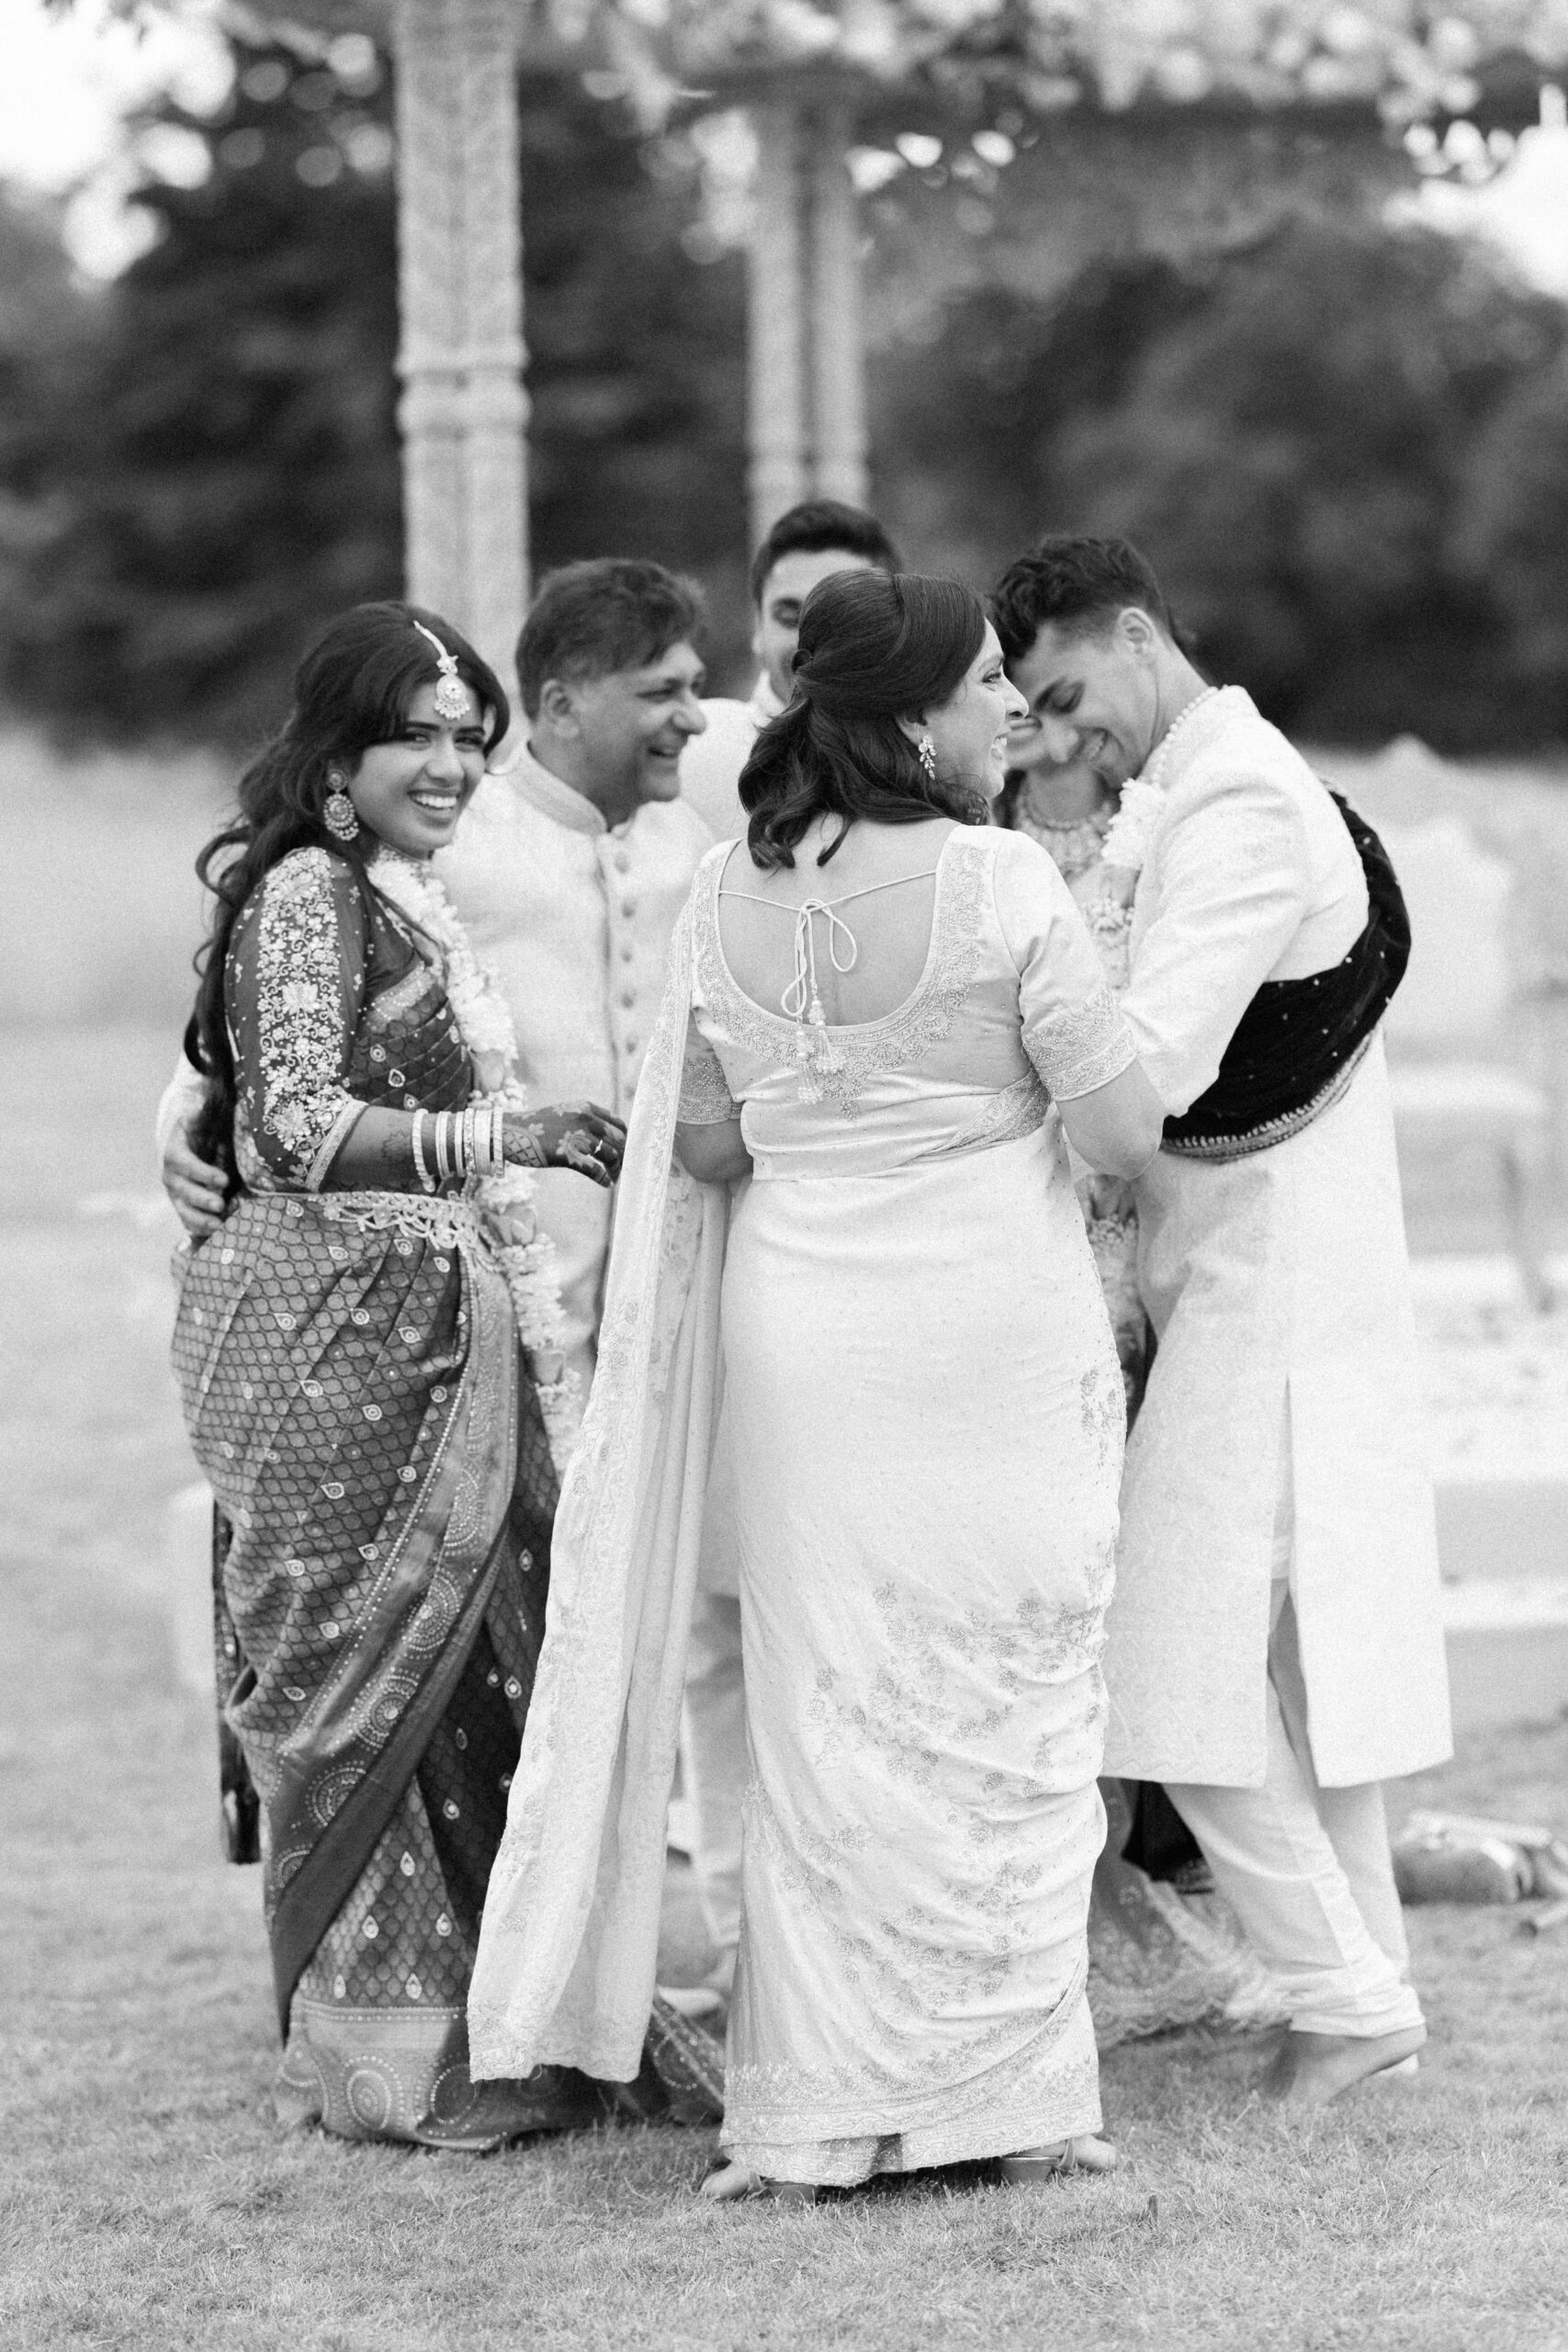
{"x":451,"y":694}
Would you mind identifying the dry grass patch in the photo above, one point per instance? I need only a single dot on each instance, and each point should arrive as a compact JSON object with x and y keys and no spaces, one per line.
{"x":152,"y":2204}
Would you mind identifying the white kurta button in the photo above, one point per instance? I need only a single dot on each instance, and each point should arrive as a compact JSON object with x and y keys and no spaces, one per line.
{"x":629,"y":998}
{"x":622,"y":863}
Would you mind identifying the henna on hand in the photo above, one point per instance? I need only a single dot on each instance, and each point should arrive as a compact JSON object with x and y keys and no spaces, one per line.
{"x":523,"y":1143}
{"x":394,"y":1151}
{"x":579,"y":1135}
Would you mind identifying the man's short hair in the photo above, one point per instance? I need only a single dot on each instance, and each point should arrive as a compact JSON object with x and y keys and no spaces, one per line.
{"x":590,"y":619}
{"x":814,"y":526}
{"x":1078,"y":586}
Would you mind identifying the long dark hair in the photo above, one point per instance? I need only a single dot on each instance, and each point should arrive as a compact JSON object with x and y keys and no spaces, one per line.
{"x":352,"y":688}
{"x":874,"y":648}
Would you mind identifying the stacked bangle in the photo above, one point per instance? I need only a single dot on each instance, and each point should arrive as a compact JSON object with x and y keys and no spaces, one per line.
{"x":426,"y":1181}
{"x":467,"y":1143}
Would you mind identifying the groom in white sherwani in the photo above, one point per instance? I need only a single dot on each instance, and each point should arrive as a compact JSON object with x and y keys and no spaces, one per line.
{"x":1275,"y":1645}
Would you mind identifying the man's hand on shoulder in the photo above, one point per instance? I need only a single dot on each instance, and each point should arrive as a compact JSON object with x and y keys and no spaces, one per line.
{"x":197,"y":1191}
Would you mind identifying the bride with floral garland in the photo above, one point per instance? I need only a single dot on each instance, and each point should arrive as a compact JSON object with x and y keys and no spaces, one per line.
{"x":347,"y":1352}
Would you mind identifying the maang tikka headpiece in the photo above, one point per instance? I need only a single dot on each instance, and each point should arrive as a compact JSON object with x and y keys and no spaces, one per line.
{"x":451,"y":695}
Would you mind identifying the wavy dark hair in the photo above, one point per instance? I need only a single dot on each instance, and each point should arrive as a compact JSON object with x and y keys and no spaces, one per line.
{"x":352,"y":689}
{"x":874,"y":647}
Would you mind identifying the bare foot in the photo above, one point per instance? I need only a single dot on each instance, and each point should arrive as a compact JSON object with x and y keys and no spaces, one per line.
{"x":729,"y":2182}
{"x":1310,"y":2069}
{"x":1031,"y":2166}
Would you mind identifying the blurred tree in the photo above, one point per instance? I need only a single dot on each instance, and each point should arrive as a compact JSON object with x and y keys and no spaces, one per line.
{"x":216,"y":472}
{"x":635,"y":331}
{"x":1344,"y":446}
{"x":46,"y":324}
{"x":1512,"y":529}
{"x":220,"y":474}
{"x":1288,"y":430}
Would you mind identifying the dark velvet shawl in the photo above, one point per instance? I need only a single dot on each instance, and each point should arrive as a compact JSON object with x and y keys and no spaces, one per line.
{"x":1296,"y":1046}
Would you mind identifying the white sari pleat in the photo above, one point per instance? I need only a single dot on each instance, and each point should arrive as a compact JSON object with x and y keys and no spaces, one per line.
{"x":565,"y":1973}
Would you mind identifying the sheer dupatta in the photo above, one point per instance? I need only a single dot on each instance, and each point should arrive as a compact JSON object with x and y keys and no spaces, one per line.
{"x":565,"y":1974}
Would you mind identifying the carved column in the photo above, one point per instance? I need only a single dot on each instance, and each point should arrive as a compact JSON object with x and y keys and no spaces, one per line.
{"x":776,"y":382}
{"x":429,"y":303}
{"x":807,"y":376}
{"x":838,"y":366}
{"x":463,"y":411}
{"x":495,"y":407}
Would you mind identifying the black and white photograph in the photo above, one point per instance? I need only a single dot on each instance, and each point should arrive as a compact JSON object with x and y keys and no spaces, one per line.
{"x":783,"y":1001}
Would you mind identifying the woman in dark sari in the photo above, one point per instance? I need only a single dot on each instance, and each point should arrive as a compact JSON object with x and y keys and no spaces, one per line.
{"x":348,"y":1359}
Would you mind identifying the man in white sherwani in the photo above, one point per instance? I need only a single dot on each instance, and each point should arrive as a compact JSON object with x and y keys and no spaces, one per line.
{"x":1275,"y":1645}
{"x":573,"y":862}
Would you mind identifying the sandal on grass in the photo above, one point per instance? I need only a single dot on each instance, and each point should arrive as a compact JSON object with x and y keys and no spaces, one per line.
{"x":1037,"y":2166}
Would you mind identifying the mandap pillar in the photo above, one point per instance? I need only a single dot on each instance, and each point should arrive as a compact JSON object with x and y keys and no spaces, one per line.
{"x":463,"y":413}
{"x":806,"y":362}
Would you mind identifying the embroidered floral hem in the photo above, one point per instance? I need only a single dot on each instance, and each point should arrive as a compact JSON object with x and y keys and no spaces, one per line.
{"x":1026,"y":2115}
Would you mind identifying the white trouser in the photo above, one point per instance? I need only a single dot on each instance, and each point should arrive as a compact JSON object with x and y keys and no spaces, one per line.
{"x":1307,"y":1869}
{"x":714,"y":1760}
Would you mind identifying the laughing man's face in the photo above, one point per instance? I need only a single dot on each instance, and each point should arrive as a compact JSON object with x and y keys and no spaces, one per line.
{"x":1091,"y":697}
{"x":634,"y":724}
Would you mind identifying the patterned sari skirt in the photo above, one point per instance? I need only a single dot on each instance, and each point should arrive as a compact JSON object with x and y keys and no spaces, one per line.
{"x":354,"y":1391}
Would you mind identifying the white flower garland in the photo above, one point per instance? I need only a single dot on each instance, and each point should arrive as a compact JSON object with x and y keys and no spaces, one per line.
{"x":506,"y":1203}
{"x":1137,"y":819}
{"x":1133,"y":825}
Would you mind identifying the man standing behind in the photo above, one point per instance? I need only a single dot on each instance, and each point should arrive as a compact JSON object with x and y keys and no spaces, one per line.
{"x":571,"y":865}
{"x":807,"y":544}
{"x":1275,"y":1645}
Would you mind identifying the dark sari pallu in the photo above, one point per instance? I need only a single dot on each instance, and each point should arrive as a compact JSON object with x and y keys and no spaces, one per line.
{"x":1298,"y":1044}
{"x":354,"y":1391}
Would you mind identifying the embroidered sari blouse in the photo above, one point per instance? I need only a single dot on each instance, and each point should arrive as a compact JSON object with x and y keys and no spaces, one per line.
{"x":1010,"y":1013}
{"x":330,"y":1011}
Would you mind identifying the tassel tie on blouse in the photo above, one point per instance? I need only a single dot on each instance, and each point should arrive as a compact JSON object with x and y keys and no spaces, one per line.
{"x":817,"y":1057}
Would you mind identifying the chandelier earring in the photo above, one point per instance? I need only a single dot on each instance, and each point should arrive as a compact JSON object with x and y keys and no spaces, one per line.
{"x":338,"y":812}
{"x":925,"y":750}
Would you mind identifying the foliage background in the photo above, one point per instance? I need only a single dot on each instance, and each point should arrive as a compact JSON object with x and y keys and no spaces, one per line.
{"x":1345,"y":447}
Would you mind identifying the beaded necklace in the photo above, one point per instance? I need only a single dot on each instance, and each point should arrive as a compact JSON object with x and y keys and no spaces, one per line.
{"x":1143,"y":797}
{"x":1154,"y":766}
{"x":1073,"y":846}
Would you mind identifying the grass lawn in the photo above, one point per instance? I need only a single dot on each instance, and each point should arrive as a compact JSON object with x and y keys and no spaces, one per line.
{"x":151,"y":2200}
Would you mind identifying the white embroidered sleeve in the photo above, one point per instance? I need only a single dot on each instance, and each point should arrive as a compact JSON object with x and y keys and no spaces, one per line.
{"x":291,"y":1005}
{"x":706,"y":1097}
{"x":1080,"y":1047}
{"x":1072,"y":1029}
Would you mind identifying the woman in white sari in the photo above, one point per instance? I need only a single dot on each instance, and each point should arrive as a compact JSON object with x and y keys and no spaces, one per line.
{"x":894,"y":1332}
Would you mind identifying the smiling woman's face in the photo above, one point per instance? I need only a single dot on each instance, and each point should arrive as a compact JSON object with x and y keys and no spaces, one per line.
{"x":970,"y":731}
{"x":411,"y":792}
